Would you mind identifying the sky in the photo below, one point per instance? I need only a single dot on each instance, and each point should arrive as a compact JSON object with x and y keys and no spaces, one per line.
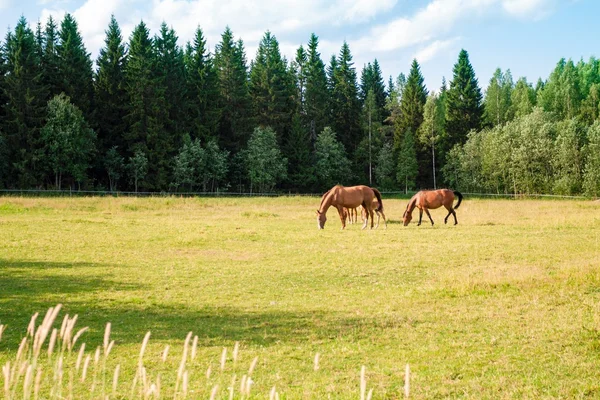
{"x":526,"y":36}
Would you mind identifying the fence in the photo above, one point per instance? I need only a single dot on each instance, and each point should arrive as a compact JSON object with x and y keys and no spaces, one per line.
{"x":389,"y":194}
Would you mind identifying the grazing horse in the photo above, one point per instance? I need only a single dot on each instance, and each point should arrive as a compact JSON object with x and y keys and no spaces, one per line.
{"x":349,"y":197}
{"x":426,"y":199}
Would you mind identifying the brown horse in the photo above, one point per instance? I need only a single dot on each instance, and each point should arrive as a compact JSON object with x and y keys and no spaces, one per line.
{"x":349,"y":197}
{"x":432,"y":199}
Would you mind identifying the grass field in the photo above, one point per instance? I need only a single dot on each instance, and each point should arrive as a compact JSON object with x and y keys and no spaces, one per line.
{"x":504,"y":305}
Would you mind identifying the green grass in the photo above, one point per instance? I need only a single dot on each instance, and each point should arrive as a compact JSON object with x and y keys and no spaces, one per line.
{"x":504,"y":305}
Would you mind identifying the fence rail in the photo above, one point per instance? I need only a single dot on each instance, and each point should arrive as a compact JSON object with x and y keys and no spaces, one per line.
{"x":393,"y":194}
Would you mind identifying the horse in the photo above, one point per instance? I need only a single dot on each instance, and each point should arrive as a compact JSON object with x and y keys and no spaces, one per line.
{"x":351,"y":214}
{"x":349,"y":197}
{"x":378,"y":211}
{"x":432,"y":199}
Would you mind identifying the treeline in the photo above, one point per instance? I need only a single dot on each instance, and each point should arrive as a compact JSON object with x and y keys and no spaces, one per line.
{"x":152,"y":115}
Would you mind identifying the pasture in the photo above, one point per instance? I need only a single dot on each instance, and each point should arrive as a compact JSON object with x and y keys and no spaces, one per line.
{"x":504,"y":305}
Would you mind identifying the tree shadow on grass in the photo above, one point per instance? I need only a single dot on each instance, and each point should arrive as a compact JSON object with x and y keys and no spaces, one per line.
{"x":29,"y":287}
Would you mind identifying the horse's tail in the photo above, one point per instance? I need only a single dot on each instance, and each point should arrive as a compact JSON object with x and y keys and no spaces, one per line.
{"x":460,"y":197}
{"x":378,"y":195}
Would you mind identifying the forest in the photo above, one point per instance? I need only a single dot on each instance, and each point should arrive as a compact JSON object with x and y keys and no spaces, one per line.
{"x":151,"y":115}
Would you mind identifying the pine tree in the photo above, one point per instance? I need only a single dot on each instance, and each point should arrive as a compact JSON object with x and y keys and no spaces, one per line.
{"x":146,"y":111}
{"x":464,"y":110}
{"x":345,"y":104}
{"x":316,"y":94}
{"x":24,"y":107}
{"x":234,"y":100}
{"x":202,"y":90}
{"x":110,"y":93}
{"x":412,"y":102}
{"x":75,"y":67}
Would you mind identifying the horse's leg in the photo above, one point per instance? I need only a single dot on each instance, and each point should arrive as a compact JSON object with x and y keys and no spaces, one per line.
{"x":384,"y":220}
{"x":372,"y":217}
{"x":420,"y":216}
{"x":455,"y":220}
{"x":449,"y":213}
{"x":366,"y":214}
{"x":342,"y":216}
{"x":378,"y":216}
{"x":429,"y":215}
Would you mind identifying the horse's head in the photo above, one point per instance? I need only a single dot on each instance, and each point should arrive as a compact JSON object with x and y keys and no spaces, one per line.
{"x":321,"y":219}
{"x":407,"y":217}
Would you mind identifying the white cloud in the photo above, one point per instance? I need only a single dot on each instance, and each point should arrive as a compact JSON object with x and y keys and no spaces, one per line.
{"x":536,"y":9}
{"x":4,"y":4}
{"x":430,"y":51}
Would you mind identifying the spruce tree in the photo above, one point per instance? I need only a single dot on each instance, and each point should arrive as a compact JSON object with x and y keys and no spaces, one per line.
{"x":316,"y":94}
{"x":234,"y":100}
{"x":412,"y":101}
{"x":146,"y":111}
{"x":464,"y":110}
{"x":50,"y":60}
{"x":345,"y":104}
{"x":170,"y":71}
{"x":407,"y":162}
{"x":75,"y":66}
{"x":24,"y":107}
{"x":110,"y":93}
{"x":271,"y":89}
{"x":203,"y":90}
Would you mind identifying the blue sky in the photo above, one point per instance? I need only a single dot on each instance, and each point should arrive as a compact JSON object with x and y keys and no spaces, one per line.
{"x":526,"y":36}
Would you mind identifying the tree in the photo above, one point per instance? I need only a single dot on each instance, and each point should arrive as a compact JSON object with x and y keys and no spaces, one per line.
{"x":170,"y":74}
{"x":497,"y":102}
{"x":316,"y":96}
{"x":24,"y":106}
{"x":146,"y":111}
{"x":345,"y":104}
{"x":266,"y":164}
{"x":51,"y":77}
{"x":568,"y":160}
{"x":203,"y":91}
{"x":591,"y":177}
{"x":271,"y":88}
{"x":385,"y":167}
{"x":190,"y":164}
{"x":522,"y":98}
{"x":114,"y":164}
{"x":138,"y":167}
{"x":414,"y":96}
{"x":590,"y":107}
{"x":216,"y":166}
{"x":110,"y":93}
{"x":301,"y":174}
{"x":331,"y":164}
{"x":234,"y":100}
{"x":432,"y":129}
{"x":463,"y":104}
{"x":371,"y":79}
{"x":75,"y":66}
{"x":68,"y":141}
{"x":407,"y":161}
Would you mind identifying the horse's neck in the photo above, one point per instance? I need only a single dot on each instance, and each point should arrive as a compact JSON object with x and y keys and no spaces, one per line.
{"x":326,"y":203}
{"x":412,"y":204}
